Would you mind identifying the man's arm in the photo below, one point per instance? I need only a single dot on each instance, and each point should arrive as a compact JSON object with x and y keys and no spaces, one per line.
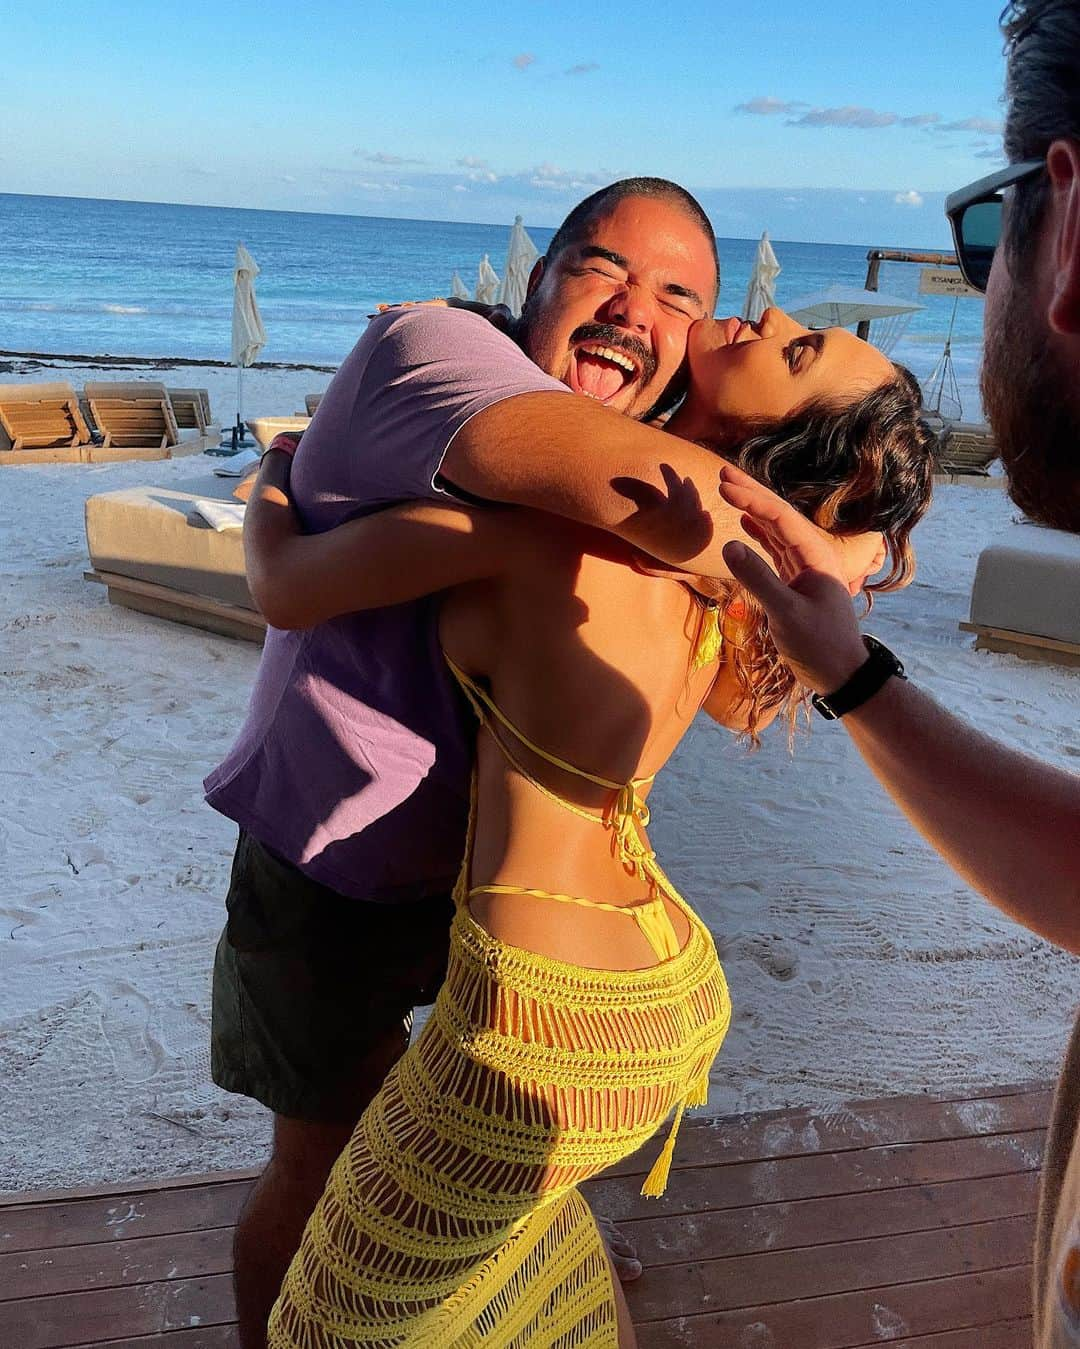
{"x":574,"y":458}
{"x":1007,"y":823}
{"x":398,"y":554}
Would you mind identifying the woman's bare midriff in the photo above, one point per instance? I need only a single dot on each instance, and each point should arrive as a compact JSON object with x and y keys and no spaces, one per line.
{"x":619,"y":715}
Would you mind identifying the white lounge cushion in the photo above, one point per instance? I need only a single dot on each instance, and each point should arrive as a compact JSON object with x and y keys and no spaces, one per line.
{"x":154,"y":534}
{"x":1029,"y":581}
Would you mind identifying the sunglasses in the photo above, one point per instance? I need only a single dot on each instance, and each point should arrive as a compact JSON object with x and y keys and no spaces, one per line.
{"x":975,"y":216}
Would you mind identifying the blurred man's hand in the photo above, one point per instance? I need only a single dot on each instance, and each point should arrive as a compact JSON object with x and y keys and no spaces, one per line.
{"x":811,"y":616}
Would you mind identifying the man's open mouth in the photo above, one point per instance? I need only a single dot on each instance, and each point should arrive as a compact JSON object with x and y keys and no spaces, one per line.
{"x":602,"y":372}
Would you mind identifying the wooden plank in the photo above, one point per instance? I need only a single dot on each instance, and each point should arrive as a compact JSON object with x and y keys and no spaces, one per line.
{"x":666,"y":1240}
{"x":203,"y":1337}
{"x":180,"y":606}
{"x":699,"y":1189}
{"x":96,"y":1316}
{"x":774,"y":1277}
{"x":111,"y":1264}
{"x":116,"y":1218}
{"x":1014,"y":1335}
{"x":126,"y":1188}
{"x":1027,"y":645}
{"x":788,"y":1133}
{"x":851,"y":1320}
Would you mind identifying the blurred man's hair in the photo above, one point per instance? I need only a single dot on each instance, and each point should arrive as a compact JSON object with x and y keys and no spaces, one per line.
{"x":1042,"y":91}
{"x":604,"y":201}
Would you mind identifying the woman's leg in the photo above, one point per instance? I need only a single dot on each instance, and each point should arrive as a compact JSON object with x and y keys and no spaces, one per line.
{"x":627,"y":1338}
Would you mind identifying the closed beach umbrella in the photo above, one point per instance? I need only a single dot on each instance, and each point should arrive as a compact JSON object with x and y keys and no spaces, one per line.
{"x":248,"y":333}
{"x":761,"y":293}
{"x":520,"y":256}
{"x":457,"y":288}
{"x":487,"y":282}
{"x":841,"y":306}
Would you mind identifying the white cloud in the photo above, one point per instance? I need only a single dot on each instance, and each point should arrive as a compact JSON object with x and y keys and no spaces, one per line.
{"x":460,"y":187}
{"x":477,"y":170}
{"x":983,"y":126}
{"x":767,"y":106}
{"x":383,"y":157}
{"x":550,"y":178}
{"x":909,"y":198}
{"x":861,"y":119}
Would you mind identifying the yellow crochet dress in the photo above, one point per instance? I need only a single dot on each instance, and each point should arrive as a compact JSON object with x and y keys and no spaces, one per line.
{"x":453,"y":1217}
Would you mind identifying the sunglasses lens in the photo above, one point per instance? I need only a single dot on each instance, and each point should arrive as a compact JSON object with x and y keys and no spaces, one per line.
{"x":980,"y":230}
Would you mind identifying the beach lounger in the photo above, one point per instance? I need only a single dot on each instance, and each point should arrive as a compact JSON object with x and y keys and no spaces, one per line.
{"x":134,"y":419}
{"x":155,"y":554}
{"x":133,"y":415}
{"x":41,"y":423}
{"x":1026,"y":595}
{"x":264,"y":429}
{"x":191,"y":408}
{"x":311,"y":402}
{"x":965,"y":448}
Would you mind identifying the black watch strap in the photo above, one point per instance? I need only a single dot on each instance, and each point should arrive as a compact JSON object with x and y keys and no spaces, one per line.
{"x":879,"y":666}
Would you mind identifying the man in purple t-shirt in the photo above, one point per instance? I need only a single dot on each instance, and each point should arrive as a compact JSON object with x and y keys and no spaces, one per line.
{"x":349,"y":779}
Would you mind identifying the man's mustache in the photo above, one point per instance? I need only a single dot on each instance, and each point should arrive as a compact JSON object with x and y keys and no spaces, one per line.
{"x":606,"y":334}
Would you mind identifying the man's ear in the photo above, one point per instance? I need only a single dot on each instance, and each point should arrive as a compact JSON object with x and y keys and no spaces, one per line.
{"x":1063,"y":167}
{"x":535,"y":277}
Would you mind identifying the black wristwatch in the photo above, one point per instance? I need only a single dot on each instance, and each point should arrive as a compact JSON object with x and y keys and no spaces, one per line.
{"x":880,"y":665}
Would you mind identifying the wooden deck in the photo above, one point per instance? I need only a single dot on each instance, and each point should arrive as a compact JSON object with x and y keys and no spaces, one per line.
{"x":905,"y":1222}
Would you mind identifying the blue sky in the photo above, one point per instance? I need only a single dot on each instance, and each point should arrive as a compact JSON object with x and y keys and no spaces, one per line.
{"x":843,"y":122}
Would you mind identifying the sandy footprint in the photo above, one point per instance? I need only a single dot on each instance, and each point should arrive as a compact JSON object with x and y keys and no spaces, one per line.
{"x":125,"y":1024}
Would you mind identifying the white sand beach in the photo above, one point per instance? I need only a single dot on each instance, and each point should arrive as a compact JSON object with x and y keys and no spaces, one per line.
{"x":859,"y":965}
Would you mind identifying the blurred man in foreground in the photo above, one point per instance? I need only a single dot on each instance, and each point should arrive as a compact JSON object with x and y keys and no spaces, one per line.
{"x":1007,"y":823}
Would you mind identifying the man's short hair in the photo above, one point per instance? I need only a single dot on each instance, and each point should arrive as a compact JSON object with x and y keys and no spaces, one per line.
{"x":604,"y":201}
{"x":1042,"y":90}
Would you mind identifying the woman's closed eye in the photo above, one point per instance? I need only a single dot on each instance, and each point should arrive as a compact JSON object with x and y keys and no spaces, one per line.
{"x":802,"y":352}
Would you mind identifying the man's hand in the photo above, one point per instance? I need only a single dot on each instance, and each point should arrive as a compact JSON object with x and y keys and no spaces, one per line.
{"x":811,"y":617}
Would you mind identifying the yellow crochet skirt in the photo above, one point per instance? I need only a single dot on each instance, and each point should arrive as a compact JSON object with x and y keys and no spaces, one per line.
{"x":453,"y":1219}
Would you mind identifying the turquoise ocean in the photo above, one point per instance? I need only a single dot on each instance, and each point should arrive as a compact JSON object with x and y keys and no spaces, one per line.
{"x":90,"y":277}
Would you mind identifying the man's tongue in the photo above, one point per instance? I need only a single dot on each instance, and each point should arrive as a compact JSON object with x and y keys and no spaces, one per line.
{"x":599,"y":377}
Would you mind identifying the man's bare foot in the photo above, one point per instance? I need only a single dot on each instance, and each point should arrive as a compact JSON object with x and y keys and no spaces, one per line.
{"x":620,"y":1249}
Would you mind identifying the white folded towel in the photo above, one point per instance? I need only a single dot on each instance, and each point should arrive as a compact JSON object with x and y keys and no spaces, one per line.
{"x":236,"y":465}
{"x":221,"y":515}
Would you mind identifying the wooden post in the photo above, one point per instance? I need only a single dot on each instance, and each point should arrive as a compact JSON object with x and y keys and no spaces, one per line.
{"x":862,"y":329}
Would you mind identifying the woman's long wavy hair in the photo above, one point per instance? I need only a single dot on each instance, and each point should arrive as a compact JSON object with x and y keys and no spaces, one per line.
{"x":867,"y":466}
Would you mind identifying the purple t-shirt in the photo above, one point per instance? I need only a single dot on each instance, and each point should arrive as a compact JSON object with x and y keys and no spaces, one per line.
{"x":353,"y":762}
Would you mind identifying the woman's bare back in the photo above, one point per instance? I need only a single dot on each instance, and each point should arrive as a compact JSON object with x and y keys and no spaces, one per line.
{"x":593,"y":661}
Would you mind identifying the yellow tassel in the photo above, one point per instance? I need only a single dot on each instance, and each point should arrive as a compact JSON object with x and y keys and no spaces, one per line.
{"x":657,"y":1179}
{"x":699,"y":1092}
{"x":710,"y":639}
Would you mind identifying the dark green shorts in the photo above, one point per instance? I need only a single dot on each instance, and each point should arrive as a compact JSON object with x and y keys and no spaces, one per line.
{"x":314,"y":991}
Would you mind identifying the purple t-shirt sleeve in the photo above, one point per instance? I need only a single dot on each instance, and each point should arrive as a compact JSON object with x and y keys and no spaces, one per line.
{"x":408,"y":386}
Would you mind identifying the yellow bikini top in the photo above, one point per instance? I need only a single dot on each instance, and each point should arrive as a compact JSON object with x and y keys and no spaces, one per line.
{"x":624,"y":813}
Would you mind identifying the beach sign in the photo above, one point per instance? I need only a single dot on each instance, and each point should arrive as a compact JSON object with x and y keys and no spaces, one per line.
{"x":946,"y":281}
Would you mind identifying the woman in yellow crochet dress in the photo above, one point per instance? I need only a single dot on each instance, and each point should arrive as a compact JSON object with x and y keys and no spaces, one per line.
{"x":584,"y":1002}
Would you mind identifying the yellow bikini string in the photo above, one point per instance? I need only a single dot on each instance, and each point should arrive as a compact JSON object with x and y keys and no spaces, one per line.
{"x":626,"y":808}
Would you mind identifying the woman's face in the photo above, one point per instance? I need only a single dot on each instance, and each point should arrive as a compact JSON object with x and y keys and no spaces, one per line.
{"x":750,"y":372}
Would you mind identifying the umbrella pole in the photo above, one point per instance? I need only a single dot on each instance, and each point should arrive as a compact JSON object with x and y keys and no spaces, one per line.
{"x":239,"y":431}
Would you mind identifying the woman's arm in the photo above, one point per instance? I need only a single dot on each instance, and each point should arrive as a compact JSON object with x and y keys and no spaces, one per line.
{"x":400,"y":554}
